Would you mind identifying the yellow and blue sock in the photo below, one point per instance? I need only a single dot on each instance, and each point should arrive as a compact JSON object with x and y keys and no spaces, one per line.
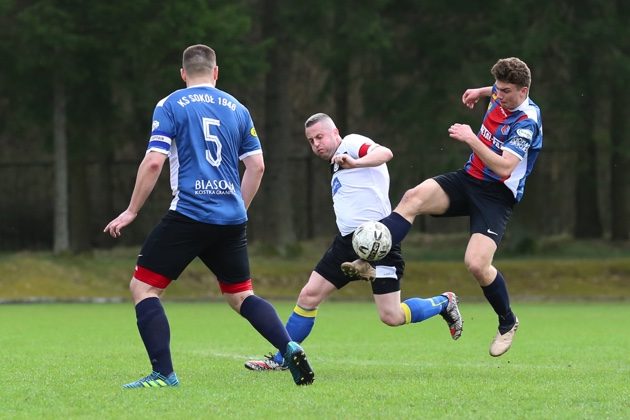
{"x":418,"y":309}
{"x":299,"y":326}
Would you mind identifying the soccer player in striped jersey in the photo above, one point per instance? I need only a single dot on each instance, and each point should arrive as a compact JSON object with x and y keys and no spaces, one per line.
{"x":205,"y":132}
{"x":360,"y":192}
{"x":487,"y":188}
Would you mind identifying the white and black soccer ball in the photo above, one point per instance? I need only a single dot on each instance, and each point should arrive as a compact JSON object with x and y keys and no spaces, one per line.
{"x":372,"y":241}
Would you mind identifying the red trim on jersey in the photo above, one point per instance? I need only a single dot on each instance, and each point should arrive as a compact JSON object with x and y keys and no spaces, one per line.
{"x":474,"y":170}
{"x":363,"y":149}
{"x":236,"y":287}
{"x":151,"y":278}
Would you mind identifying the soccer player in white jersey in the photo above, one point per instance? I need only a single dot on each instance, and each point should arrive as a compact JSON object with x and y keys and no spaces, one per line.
{"x":204,"y":132}
{"x":487,"y":188}
{"x":360,"y":192}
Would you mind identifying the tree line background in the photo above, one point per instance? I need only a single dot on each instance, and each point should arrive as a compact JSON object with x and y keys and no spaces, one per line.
{"x":80,"y":79}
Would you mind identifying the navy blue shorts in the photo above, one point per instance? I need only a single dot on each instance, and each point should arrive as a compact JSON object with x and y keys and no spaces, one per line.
{"x":178,"y":239}
{"x":489,"y":204}
{"x":389,"y":270}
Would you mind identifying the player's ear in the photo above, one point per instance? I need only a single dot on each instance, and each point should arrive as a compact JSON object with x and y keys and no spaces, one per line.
{"x":215,"y":73}
{"x":182,"y":73}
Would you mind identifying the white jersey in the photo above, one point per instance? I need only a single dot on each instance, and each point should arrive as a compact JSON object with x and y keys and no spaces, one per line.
{"x":359,"y":194}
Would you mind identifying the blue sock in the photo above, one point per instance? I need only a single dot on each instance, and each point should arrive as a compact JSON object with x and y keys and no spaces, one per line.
{"x":156,"y":334}
{"x":398,"y":226}
{"x":418,"y":309}
{"x":264,"y":318}
{"x":497,"y":294}
{"x":299,"y":326}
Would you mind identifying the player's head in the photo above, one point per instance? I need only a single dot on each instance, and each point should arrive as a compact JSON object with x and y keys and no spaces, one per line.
{"x":513,"y":79}
{"x":199,"y":62}
{"x":322,"y":135}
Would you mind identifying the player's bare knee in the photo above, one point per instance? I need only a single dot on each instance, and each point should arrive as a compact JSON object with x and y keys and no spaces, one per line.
{"x":477,"y":268}
{"x":309,"y":297}
{"x":392,"y":319}
{"x":414,"y":202}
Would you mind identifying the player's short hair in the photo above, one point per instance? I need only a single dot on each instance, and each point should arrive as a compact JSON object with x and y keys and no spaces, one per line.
{"x":199,"y":59}
{"x":512,"y":70}
{"x":315,"y":118}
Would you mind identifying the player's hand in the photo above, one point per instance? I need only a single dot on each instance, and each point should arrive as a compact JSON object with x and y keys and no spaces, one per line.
{"x":471,"y":97}
{"x":461,"y":132}
{"x":115,"y":226}
{"x":344,"y":161}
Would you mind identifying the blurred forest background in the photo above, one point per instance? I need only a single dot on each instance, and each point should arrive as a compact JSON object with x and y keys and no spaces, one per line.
{"x":80,"y":79}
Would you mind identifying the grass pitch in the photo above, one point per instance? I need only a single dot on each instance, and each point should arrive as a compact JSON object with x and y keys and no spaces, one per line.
{"x":69,"y":361}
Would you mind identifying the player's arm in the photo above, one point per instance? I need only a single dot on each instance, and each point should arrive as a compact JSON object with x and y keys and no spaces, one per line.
{"x":502,"y":165}
{"x":254,"y":170}
{"x":376,"y":155}
{"x":148,"y":174}
{"x":472,"y":96}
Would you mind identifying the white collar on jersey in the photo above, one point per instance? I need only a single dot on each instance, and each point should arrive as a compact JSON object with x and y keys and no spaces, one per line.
{"x":202,"y":84}
{"x":522,"y":106}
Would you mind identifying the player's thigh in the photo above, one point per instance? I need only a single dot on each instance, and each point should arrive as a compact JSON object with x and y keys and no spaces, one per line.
{"x":329,"y":266}
{"x":227,"y":255}
{"x":315,"y":291}
{"x":425,"y":198}
{"x":170,"y":247}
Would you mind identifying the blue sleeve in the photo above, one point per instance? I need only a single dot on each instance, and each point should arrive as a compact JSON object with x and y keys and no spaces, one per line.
{"x":251,"y":142}
{"x":162,"y":129}
{"x":521,"y":136}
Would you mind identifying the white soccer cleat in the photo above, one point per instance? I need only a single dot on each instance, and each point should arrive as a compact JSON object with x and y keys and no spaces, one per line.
{"x":359,"y":270}
{"x":267,"y":364}
{"x":452,"y":316}
{"x":503,"y":342}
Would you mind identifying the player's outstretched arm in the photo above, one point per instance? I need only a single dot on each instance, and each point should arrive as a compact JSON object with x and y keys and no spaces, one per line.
{"x":148,"y":174}
{"x":472,"y":96}
{"x":377,"y":155}
{"x":502,"y":164}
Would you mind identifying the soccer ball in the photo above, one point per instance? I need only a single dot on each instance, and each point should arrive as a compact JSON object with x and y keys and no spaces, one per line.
{"x":372,"y":241}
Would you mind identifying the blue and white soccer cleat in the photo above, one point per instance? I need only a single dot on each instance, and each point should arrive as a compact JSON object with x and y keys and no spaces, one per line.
{"x":154,"y":380}
{"x":295,"y":358}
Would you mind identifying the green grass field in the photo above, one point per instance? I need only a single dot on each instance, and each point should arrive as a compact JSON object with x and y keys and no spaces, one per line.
{"x":569,"y":360}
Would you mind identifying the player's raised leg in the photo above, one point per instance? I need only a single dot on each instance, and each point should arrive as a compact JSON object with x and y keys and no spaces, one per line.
{"x":426,"y":198}
{"x":413,"y":310}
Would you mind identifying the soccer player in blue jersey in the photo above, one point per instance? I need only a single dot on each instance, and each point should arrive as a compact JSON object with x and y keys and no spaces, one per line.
{"x":204,"y":132}
{"x":486,"y":189}
{"x":360,"y":192}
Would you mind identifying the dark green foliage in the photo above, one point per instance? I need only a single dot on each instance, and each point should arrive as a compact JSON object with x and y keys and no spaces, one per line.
{"x":393,"y":70}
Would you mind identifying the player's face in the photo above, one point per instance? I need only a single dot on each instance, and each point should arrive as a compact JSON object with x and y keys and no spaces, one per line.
{"x":322,"y":138}
{"x":510,"y":95}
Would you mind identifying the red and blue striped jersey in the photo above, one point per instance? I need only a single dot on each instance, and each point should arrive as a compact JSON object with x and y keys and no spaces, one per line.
{"x":517,"y":131}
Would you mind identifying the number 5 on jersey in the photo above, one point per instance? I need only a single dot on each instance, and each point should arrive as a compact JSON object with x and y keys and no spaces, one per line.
{"x":210,"y":139}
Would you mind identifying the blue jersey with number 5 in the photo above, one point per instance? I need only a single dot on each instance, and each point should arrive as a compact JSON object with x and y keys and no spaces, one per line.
{"x":205,"y":132}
